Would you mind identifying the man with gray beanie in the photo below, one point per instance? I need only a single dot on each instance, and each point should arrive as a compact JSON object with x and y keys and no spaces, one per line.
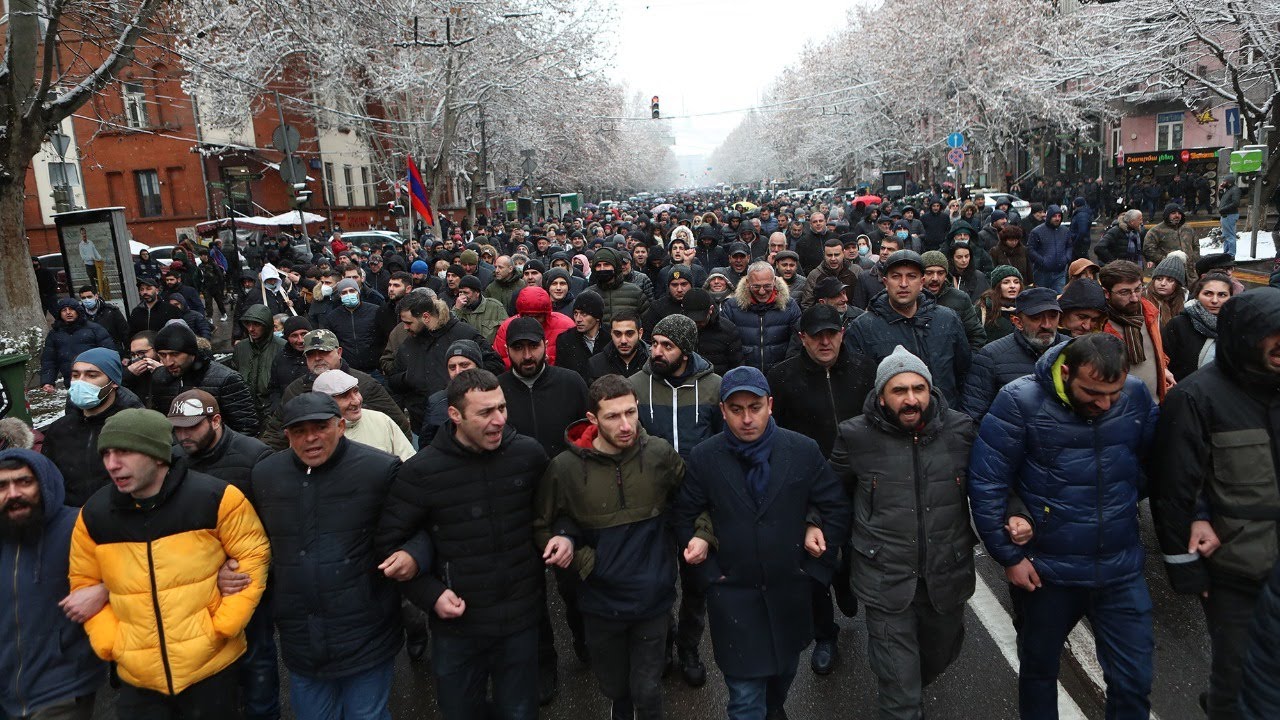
{"x":355,"y":322}
{"x":677,"y":393}
{"x":912,"y":569}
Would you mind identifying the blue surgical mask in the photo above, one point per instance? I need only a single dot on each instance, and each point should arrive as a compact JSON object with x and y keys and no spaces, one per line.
{"x":90,"y":304}
{"x":85,"y":395}
{"x":279,"y":334}
{"x":864,"y":250}
{"x":350,"y":300}
{"x":902,"y":234}
{"x":272,"y":285}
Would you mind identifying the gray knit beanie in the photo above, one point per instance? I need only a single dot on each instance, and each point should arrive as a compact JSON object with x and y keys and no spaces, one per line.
{"x":679,"y":329}
{"x":1174,"y":265}
{"x":898,"y":362}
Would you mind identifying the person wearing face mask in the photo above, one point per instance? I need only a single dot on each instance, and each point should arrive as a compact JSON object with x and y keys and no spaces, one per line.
{"x":70,"y":335}
{"x":355,"y":323}
{"x":322,"y":298}
{"x":273,"y":294}
{"x":105,"y":314}
{"x":71,"y":441}
{"x":902,"y":231}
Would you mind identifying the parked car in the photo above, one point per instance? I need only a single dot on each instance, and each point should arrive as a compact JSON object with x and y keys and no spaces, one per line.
{"x":374,"y":238}
{"x":991,"y":197}
{"x":56,"y":263}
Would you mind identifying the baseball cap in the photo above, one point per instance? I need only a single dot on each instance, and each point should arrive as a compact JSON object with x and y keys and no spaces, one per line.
{"x":820,"y":317}
{"x":191,"y":408}
{"x":828,"y":287}
{"x":525,"y":329}
{"x":309,"y":406}
{"x":148,"y":280}
{"x":696,"y":304}
{"x":743,"y":378}
{"x":319,"y":340}
{"x":1036,"y":300}
{"x":738,"y":248}
{"x":900,"y":257}
{"x":333,"y":382}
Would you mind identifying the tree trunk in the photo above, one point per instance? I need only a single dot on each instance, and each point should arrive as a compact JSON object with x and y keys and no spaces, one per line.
{"x":19,"y":297}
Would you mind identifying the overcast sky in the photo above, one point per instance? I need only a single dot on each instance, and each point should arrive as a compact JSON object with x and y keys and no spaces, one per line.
{"x":704,"y":56}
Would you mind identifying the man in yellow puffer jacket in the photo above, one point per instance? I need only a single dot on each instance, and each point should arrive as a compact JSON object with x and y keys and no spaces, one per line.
{"x":156,"y":538}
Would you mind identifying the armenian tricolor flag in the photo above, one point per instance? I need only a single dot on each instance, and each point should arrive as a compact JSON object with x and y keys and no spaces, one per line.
{"x":418,"y":196}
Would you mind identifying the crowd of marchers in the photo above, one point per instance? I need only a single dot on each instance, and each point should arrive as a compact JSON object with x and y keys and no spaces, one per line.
{"x":685,"y":419}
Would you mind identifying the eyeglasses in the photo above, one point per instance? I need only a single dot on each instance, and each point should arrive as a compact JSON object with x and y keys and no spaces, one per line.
{"x":191,"y":407}
{"x":761,"y":288}
{"x":1129,"y":293}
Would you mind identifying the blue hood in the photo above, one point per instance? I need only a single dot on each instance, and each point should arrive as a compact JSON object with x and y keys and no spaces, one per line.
{"x":52,"y":489}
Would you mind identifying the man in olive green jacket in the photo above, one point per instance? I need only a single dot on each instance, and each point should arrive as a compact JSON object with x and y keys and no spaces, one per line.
{"x":252,"y":357}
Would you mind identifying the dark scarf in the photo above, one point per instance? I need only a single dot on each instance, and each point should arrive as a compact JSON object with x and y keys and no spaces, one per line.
{"x":755,"y":457}
{"x":1204,"y":322}
{"x":1131,"y":327}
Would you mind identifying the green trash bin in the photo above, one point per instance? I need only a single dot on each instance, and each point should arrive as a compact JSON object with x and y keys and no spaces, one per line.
{"x":13,"y":383}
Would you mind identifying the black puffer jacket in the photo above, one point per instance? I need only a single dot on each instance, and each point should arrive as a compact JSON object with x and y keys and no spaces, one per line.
{"x":934,"y":334}
{"x":287,"y":366}
{"x":557,"y":399}
{"x":609,"y":362}
{"x":478,"y":511}
{"x":357,"y":331}
{"x":152,"y":318}
{"x":813,"y":400}
{"x":419,"y":368}
{"x":1259,"y":693}
{"x":1217,"y":439}
{"x":112,"y":318}
{"x":336,"y":613}
{"x":224,"y":384}
{"x":71,"y":442}
{"x":231,"y":459}
{"x":996,"y":365}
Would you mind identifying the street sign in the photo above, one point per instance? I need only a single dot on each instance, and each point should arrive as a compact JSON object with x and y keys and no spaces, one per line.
{"x":1231,"y":118}
{"x":955,"y":156}
{"x":1248,"y":159}
{"x":293,"y":170}
{"x":285,"y":139}
{"x":955,"y":140}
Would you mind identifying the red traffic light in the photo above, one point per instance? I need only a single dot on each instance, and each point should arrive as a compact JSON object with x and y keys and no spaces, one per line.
{"x":654,"y":100}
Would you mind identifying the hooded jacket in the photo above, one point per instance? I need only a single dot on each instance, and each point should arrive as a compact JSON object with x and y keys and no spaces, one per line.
{"x":165,"y":625}
{"x":275,"y":301}
{"x":897,"y":543}
{"x":1050,"y":247}
{"x":617,"y":293}
{"x":71,"y":443}
{"x":66,"y":341}
{"x":1167,"y":237}
{"x":254,"y":360}
{"x":534,"y":302}
{"x":224,"y":384}
{"x":1217,"y":439}
{"x":934,"y":334}
{"x":617,"y":506}
{"x":112,"y":318}
{"x":1080,"y":479}
{"x":1121,"y":243}
{"x":684,"y":411}
{"x":764,"y":328}
{"x":478,"y":510}
{"x":44,"y":657}
{"x":198,"y":323}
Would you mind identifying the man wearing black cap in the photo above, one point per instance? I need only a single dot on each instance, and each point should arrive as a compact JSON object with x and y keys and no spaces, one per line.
{"x":574,"y":348}
{"x":335,"y":603}
{"x":151,"y":313}
{"x":739,"y":259}
{"x":1012,"y":356}
{"x":834,"y":265}
{"x":482,"y":313}
{"x":1220,"y":262}
{"x":834,"y":292}
{"x":902,"y":314}
{"x":718,"y":339}
{"x":826,"y":384}
{"x":188,"y":366}
{"x":787,"y":264}
{"x":542,"y":399}
{"x":779,"y":515}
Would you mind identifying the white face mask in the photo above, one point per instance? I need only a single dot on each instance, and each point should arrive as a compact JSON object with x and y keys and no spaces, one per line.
{"x":326,"y":291}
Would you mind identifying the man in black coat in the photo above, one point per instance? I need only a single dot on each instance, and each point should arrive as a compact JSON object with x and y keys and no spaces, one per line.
{"x":472,"y":490}
{"x":542,"y":399}
{"x":809,"y":246}
{"x":151,"y":313}
{"x":335,"y":603}
{"x":215,"y":449}
{"x":719,"y":342}
{"x":626,"y":353}
{"x":576,"y":347}
{"x":779,"y":514}
{"x":188,"y":366}
{"x":1012,"y":356}
{"x":814,"y":392}
{"x":105,"y":314}
{"x":354,"y":321}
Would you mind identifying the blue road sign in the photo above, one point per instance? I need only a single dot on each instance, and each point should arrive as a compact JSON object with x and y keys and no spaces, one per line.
{"x":1232,"y":120}
{"x":955,"y":140}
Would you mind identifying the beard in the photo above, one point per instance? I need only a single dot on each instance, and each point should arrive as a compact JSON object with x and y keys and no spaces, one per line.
{"x":1037,"y":342}
{"x":26,"y":530}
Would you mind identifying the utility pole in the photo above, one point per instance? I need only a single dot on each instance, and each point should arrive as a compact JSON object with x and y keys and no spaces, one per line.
{"x":1257,"y":210}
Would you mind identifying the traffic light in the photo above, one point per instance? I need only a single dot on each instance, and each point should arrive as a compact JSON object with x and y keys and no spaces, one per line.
{"x":62,"y":199}
{"x":300,"y":194}
{"x":653,"y":107}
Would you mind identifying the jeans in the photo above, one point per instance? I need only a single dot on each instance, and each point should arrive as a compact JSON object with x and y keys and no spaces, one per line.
{"x":1121,"y":618}
{"x":755,"y":698}
{"x":214,"y":698}
{"x":1228,"y":223}
{"x":1050,"y":278}
{"x":362,"y":696}
{"x":259,"y":668}
{"x":463,"y":667}
{"x":627,"y":658}
{"x":908,"y":650}
{"x":1228,"y":611}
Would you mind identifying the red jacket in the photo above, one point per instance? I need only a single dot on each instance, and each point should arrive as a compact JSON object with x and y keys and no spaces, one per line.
{"x":534,"y":302}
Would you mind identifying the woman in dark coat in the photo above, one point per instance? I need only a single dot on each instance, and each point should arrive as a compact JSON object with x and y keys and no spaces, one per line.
{"x":1191,"y":338}
{"x":964,"y":275}
{"x":997,"y":304}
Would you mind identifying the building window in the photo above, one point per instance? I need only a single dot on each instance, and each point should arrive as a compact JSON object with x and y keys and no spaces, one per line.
{"x":1169,"y":131}
{"x":63,"y":174}
{"x":367,"y":179}
{"x":148,"y":182}
{"x":349,"y":184}
{"x":329,"y":181}
{"x":135,"y":105}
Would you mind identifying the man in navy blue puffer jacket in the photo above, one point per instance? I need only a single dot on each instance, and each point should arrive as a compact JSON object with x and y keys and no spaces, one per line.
{"x":1070,"y":442}
{"x":765,"y":315}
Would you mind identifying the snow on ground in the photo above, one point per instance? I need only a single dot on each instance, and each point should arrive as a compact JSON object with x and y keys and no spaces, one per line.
{"x":1244,"y":246}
